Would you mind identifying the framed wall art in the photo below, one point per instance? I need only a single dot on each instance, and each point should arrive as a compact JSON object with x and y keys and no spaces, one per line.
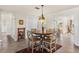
{"x":21,"y":22}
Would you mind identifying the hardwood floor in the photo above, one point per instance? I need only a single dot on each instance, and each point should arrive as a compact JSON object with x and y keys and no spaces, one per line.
{"x":65,"y":40}
{"x":67,"y":44}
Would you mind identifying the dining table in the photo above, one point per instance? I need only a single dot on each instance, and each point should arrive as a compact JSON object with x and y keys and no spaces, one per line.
{"x":42,"y":35}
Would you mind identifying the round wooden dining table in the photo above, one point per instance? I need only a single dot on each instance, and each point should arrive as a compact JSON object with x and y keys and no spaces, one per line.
{"x":41,"y":33}
{"x":42,"y":36}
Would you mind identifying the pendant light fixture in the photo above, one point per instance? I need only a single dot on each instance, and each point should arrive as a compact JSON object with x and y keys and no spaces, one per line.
{"x":42,"y":19}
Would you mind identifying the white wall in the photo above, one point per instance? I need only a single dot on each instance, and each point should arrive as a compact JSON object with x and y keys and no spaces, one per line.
{"x":64,"y":16}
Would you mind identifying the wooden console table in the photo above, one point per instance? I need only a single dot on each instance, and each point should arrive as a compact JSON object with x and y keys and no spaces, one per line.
{"x":21,"y":33}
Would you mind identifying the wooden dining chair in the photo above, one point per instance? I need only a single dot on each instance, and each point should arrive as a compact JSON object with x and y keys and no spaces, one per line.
{"x":35,"y":35}
{"x":32,"y":40}
{"x":50,"y":43}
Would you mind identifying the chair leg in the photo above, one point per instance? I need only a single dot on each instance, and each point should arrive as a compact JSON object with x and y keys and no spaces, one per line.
{"x":50,"y":48}
{"x":55,"y":45}
{"x":32,"y":48}
{"x":28,"y":43}
{"x":42,"y":47}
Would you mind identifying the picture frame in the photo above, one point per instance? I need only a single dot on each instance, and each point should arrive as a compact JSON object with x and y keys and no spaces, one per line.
{"x":21,"y":22}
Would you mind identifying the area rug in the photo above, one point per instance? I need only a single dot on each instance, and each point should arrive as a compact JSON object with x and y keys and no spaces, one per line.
{"x":29,"y":50}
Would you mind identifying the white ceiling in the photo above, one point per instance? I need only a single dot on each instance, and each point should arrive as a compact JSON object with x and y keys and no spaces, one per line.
{"x":30,"y":9}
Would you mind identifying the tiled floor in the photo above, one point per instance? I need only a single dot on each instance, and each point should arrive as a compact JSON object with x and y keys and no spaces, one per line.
{"x":66,"y":41}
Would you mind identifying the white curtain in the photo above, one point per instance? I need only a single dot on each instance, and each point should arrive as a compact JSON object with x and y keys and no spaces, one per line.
{"x":8,"y":24}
